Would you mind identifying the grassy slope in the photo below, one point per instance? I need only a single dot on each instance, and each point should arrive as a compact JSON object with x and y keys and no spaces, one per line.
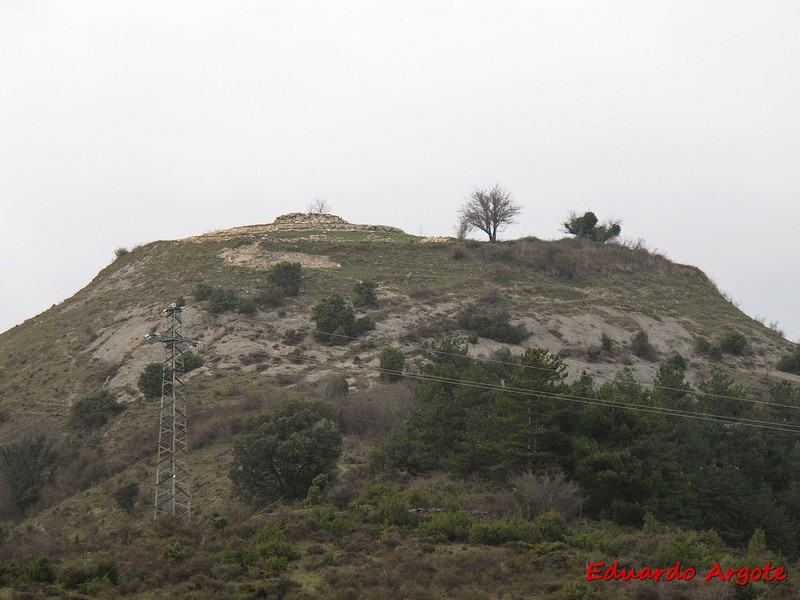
{"x":54,"y":358}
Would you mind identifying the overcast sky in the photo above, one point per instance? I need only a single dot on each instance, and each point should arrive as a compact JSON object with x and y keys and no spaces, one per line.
{"x":126,"y":122}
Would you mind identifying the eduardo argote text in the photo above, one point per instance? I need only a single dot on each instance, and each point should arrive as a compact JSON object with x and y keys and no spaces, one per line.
{"x":598,"y":571}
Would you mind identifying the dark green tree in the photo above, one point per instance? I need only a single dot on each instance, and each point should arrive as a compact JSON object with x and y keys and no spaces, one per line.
{"x":790,"y":363}
{"x":191,"y":361}
{"x":287,"y":276}
{"x":150,"y":380}
{"x":126,"y":495}
{"x":720,"y":395}
{"x":364,"y":294}
{"x":93,"y":410}
{"x":285,"y":451}
{"x":670,"y":387}
{"x":392,"y":361}
{"x":587,"y":227}
{"x":335,"y":321}
{"x":27,"y":466}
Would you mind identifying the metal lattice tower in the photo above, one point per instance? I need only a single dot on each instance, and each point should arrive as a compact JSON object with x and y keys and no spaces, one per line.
{"x":172,"y":494}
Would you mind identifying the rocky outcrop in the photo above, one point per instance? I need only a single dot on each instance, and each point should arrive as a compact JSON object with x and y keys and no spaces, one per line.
{"x":298,"y":222}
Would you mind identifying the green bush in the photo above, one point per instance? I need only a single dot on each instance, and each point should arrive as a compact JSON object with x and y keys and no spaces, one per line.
{"x":244,"y":556}
{"x":337,"y":386}
{"x":247,"y":306}
{"x":222,"y":300}
{"x":292,"y":336}
{"x":451,"y":526}
{"x":392,"y":362}
{"x":551,"y":526}
{"x":27,"y":466}
{"x":218,"y":522}
{"x":271,"y":296}
{"x":509,"y":529}
{"x":126,"y":495}
{"x":74,"y":577}
{"x":640,"y":345}
{"x":733,"y":342}
{"x":494,"y":325}
{"x":107,"y":570}
{"x":393,"y":510}
{"x":202,"y":291}
{"x":676,"y":362}
{"x":606,"y":343}
{"x":364,"y":293}
{"x":316,"y":493}
{"x":93,"y":410}
{"x":702,"y":345}
{"x":587,"y":227}
{"x":191,"y":361}
{"x":364,"y":324}
{"x":150,"y":380}
{"x":176,"y":552}
{"x":286,"y":275}
{"x":334,"y":320}
{"x":286,"y":449}
{"x":41,"y":571}
{"x":790,"y":363}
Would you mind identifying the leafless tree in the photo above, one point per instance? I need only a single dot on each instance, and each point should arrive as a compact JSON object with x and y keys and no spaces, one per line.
{"x":490,"y":210}
{"x":462,"y":228}
{"x":552,"y":491}
{"x":318,"y":207}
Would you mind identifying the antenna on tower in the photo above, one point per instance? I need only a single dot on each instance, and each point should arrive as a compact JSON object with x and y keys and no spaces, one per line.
{"x":172,"y":494}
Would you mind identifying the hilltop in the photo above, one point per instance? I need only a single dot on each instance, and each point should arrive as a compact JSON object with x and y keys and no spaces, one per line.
{"x":600,"y":309}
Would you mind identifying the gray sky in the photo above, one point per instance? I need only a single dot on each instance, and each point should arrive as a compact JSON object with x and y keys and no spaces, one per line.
{"x":125,"y":122}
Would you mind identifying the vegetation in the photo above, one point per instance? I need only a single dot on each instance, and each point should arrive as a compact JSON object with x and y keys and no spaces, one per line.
{"x":490,"y":210}
{"x":126,"y":495}
{"x":93,"y":410}
{"x":337,"y":386}
{"x":503,"y":485}
{"x":319,"y":206}
{"x":27,"y":465}
{"x":733,"y":342}
{"x":335,"y":321}
{"x":191,"y":361}
{"x":587,"y":227}
{"x":364,"y":294}
{"x":640,"y":345}
{"x":790,"y":363}
{"x":287,"y":276}
{"x":627,"y":463}
{"x":284,"y":451}
{"x":392,"y":362}
{"x":493,"y":325}
{"x":151,"y":379}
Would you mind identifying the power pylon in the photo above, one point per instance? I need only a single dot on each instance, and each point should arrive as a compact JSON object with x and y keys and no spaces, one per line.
{"x":172,"y":494}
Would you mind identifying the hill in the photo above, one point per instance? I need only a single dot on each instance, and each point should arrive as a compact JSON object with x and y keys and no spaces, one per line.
{"x":388,"y":526}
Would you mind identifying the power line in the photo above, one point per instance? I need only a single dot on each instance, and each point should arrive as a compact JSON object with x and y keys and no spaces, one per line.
{"x":697,"y":393}
{"x":666,"y":411}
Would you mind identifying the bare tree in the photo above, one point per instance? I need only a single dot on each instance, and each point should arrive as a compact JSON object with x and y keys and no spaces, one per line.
{"x":490,"y":210}
{"x":462,"y":228}
{"x":540,"y":493}
{"x":318,"y":207}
